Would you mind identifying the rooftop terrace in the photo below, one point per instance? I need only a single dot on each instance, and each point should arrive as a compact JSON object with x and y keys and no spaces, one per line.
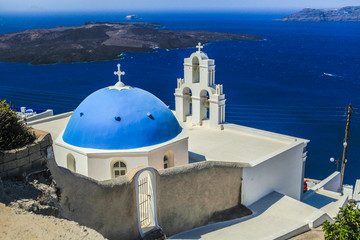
{"x":236,"y":144}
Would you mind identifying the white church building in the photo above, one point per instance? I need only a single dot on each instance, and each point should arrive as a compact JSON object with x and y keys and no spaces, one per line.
{"x":118,"y":128}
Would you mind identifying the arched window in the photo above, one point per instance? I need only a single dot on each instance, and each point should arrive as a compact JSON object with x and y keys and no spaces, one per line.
{"x":70,"y":162}
{"x":169,"y":159}
{"x":118,"y":169}
{"x":166,"y":162}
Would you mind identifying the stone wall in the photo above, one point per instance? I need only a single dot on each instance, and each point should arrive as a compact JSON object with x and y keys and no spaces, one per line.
{"x":187,"y":197}
{"x":108,"y":207}
{"x":18,"y":161}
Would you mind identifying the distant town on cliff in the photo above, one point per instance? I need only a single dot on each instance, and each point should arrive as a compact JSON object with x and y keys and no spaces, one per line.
{"x":321,"y":15}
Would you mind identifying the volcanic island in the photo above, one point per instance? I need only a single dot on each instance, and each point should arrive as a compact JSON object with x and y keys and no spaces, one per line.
{"x":99,"y":41}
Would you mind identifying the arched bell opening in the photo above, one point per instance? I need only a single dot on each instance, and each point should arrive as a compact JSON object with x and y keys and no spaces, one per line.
{"x":145,"y":181}
{"x":187,"y":103}
{"x":195,"y":70}
{"x":204,"y":105}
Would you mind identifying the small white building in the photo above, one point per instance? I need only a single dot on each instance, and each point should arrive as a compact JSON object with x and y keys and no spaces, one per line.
{"x":118,"y":128}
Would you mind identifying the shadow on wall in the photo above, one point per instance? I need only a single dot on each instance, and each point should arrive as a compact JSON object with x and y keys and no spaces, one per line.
{"x":187,"y":197}
{"x":195,"y":157}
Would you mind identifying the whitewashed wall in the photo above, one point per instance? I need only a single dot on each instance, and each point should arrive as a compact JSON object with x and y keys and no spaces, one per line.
{"x":282,"y":173}
{"x":181,"y":156}
{"x":80,"y":159}
{"x":100,"y":167}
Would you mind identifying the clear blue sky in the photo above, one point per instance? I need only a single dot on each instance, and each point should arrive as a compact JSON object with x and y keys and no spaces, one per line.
{"x":160,"y":5}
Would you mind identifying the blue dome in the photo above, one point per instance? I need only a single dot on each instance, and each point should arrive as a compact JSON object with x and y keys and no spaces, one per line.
{"x":121,"y":119}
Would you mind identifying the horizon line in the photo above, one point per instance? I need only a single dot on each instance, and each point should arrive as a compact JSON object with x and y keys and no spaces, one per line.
{"x":170,"y":9}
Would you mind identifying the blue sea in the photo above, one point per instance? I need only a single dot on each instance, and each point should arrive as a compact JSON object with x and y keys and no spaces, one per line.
{"x":277,"y":84}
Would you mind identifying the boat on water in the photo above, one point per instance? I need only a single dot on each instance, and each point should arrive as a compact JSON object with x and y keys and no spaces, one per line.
{"x":132,"y":17}
{"x":32,"y":114}
{"x":329,"y":74}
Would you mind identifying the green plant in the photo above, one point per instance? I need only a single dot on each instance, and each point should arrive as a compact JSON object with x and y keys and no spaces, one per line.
{"x":346,"y":225}
{"x":13,"y":132}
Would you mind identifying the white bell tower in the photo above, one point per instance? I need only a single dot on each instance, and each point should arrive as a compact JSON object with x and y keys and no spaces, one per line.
{"x":197,"y":99}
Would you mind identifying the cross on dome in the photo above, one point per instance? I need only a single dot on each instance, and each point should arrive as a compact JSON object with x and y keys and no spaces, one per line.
{"x":119,"y":73}
{"x":199,"y":46}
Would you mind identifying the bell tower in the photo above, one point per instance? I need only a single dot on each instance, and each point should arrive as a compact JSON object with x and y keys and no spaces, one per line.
{"x":198,"y":99}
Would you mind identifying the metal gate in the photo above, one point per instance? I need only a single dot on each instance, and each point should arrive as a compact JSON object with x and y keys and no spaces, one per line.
{"x":146,"y":200}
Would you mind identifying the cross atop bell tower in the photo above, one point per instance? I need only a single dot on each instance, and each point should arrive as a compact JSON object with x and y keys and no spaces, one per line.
{"x":198,"y":100}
